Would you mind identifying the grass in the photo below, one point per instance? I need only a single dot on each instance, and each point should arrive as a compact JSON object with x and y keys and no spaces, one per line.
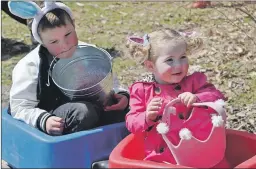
{"x":107,"y":24}
{"x":120,"y":64}
{"x":7,"y":67}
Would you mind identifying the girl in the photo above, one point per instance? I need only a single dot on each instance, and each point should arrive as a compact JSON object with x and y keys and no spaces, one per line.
{"x":164,"y":53}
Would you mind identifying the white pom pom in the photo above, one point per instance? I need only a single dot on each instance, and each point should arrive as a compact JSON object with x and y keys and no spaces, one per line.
{"x":220,"y":102}
{"x":162,"y":128}
{"x":185,"y":134}
{"x":217,"y":121}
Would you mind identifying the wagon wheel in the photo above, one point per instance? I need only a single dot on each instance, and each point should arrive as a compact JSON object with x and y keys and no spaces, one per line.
{"x":4,"y":164}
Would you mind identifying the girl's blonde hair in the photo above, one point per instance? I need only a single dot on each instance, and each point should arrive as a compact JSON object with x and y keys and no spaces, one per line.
{"x":148,"y":51}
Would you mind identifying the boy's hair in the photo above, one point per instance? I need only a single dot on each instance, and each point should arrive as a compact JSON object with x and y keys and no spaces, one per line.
{"x":54,"y":18}
{"x":140,"y":53}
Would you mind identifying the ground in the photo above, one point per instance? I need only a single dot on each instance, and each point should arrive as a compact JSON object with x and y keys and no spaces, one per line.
{"x":227,"y":56}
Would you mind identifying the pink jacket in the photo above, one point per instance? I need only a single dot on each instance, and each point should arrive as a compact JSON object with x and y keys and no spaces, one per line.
{"x":140,"y":95}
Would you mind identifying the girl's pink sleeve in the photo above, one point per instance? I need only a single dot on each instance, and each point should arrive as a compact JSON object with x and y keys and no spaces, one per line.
{"x":203,"y":90}
{"x":136,"y":117}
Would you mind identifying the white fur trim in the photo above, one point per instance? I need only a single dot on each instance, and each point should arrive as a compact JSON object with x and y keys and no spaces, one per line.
{"x":185,"y":134}
{"x":217,"y":121}
{"x":45,"y":10}
{"x":47,"y":4}
{"x":162,"y":128}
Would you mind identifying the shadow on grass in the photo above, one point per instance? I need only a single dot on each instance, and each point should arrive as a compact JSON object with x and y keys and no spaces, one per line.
{"x":11,"y":48}
{"x":113,"y":52}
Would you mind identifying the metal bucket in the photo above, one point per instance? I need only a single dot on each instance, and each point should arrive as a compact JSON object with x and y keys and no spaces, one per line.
{"x":87,"y":75}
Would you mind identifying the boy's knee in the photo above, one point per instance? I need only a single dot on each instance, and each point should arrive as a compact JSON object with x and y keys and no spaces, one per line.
{"x":84,"y":111}
{"x":82,"y":116}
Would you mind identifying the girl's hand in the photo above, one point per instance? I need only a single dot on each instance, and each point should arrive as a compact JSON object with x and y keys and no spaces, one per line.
{"x":187,"y":98}
{"x":153,"y":109}
{"x":122,"y":103}
{"x":54,"y":125}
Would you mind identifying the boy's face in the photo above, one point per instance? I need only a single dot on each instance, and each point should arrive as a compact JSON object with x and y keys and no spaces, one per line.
{"x":60,"y":41}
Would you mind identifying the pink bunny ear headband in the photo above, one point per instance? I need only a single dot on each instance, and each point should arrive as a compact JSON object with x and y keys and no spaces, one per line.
{"x":138,"y":40}
{"x":145,"y":40}
{"x":28,"y":10}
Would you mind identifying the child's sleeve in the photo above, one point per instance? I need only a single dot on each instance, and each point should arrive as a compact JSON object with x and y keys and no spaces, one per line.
{"x":204,"y":90}
{"x":136,"y":118}
{"x":23,"y":100}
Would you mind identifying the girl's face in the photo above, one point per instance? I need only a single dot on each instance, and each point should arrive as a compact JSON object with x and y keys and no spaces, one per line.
{"x":60,"y":41}
{"x":171,"y":65}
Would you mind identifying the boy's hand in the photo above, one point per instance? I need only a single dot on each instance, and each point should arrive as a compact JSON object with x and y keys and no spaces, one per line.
{"x":187,"y":98}
{"x":153,"y":108}
{"x":54,"y":125}
{"x":122,"y":102}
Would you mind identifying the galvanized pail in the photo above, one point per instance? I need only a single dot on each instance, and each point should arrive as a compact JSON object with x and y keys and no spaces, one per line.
{"x":87,"y":75}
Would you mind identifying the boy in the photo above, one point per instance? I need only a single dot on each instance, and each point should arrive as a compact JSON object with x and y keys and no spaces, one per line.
{"x":44,"y":106}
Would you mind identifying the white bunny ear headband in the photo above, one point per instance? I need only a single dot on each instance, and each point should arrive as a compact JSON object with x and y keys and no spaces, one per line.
{"x":29,"y":9}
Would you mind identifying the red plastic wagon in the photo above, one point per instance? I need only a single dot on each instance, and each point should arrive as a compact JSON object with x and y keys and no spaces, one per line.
{"x":129,"y":153}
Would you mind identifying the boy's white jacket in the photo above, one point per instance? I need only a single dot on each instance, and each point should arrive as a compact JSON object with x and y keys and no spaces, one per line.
{"x":23,"y":100}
